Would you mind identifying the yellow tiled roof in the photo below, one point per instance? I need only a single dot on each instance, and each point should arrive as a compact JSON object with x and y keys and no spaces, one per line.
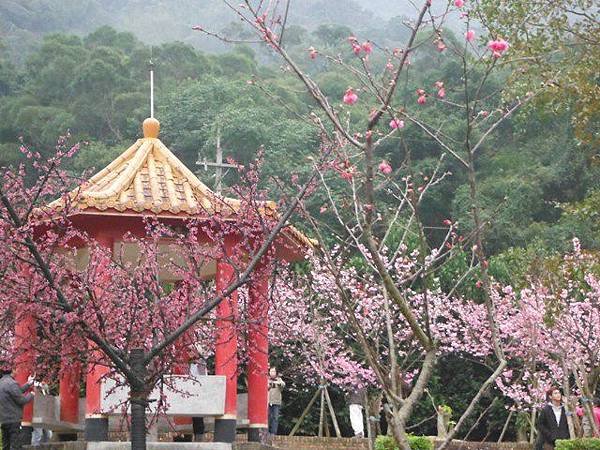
{"x":148,"y":178}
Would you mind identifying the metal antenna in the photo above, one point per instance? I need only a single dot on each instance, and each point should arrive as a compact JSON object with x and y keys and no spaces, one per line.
{"x":219,"y":165}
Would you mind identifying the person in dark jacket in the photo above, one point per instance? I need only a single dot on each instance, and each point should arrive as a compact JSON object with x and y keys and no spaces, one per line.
{"x":12,"y":400}
{"x":552,"y":422}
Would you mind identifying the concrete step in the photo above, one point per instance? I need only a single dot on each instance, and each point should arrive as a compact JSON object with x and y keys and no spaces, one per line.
{"x":160,"y":446}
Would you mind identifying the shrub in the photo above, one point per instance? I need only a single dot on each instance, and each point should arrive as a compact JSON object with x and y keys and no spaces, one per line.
{"x":578,"y":444}
{"x":416,"y":443}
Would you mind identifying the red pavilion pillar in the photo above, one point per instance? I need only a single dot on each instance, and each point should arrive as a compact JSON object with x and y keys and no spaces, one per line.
{"x":182,"y":368}
{"x":258,"y":355}
{"x":96,"y":423}
{"x":25,"y":337}
{"x":226,"y":350}
{"x":68,"y":389}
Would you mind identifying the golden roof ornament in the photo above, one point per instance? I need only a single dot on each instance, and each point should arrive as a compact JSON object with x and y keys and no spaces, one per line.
{"x":151,"y":128}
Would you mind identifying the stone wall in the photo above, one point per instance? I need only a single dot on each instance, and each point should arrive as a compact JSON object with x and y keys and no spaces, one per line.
{"x":78,"y":445}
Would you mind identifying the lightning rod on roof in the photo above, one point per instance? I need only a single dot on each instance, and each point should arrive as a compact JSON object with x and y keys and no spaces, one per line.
{"x":151,"y":68}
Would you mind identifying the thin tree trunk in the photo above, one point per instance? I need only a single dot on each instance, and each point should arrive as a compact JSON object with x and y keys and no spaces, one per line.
{"x":322,"y":414}
{"x":567,"y":399}
{"x":369,"y":421}
{"x":483,"y":413}
{"x":532,"y":430}
{"x":399,"y":431}
{"x":588,"y":407}
{"x":139,"y":401}
{"x":484,"y":388}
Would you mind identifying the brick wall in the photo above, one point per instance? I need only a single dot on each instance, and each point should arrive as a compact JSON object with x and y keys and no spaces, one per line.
{"x":469,"y":445}
{"x":252,"y":446}
{"x":317,"y":443}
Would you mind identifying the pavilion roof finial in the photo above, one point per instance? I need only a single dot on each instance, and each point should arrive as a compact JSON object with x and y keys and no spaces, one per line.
{"x":151,"y":127}
{"x":151,"y":69}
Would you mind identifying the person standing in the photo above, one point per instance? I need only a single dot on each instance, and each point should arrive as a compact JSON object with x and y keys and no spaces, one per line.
{"x":355,"y":404}
{"x":12,"y":400}
{"x":276,"y":385}
{"x":198,"y":369}
{"x":587,"y":428}
{"x":552,"y":422}
{"x":41,"y":435}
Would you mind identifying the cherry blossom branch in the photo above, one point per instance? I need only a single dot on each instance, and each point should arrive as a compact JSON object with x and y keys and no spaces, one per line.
{"x":241,"y":280}
{"x":64,"y":304}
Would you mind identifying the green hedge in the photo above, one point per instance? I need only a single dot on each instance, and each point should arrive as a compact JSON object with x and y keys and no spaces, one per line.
{"x":578,"y":444}
{"x":416,"y":443}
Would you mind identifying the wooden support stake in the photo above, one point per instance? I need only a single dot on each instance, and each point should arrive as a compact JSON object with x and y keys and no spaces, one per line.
{"x":305,"y":412}
{"x":332,"y":413}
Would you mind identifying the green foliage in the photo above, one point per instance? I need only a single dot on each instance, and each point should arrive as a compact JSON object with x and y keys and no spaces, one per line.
{"x":578,"y":444}
{"x":332,"y":35}
{"x":415,"y":442}
{"x":453,"y":383}
{"x":523,"y":421}
{"x":530,"y":172}
{"x":554,"y":51}
{"x":513,"y":265}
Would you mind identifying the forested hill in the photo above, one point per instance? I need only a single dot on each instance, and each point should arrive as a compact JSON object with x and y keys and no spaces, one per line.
{"x":24,"y":22}
{"x":532,"y":172}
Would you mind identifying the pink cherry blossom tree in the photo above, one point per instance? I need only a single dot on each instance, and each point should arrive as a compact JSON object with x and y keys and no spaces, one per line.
{"x":379,"y":211}
{"x":549,"y":333}
{"x":113,"y":310}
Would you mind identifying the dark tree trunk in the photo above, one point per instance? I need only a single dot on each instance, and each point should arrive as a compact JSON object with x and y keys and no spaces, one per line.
{"x":139,"y":401}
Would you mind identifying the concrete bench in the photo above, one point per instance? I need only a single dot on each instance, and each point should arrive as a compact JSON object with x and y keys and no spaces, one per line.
{"x":186,"y":396}
{"x":46,"y":414}
{"x":160,"y":446}
{"x":202,"y":396}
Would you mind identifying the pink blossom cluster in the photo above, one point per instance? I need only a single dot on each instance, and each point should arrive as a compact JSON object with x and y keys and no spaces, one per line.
{"x":350,"y":97}
{"x":498,"y":47}
{"x":358,"y":48}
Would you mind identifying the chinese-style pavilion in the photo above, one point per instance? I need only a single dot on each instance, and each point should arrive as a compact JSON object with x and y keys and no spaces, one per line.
{"x":149,"y":180}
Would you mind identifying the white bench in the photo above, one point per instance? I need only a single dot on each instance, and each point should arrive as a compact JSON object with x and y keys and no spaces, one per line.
{"x":202,"y":396}
{"x":187,"y":396}
{"x":46,"y":414}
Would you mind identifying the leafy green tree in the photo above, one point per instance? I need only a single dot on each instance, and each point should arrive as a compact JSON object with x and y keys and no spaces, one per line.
{"x":554,"y":43}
